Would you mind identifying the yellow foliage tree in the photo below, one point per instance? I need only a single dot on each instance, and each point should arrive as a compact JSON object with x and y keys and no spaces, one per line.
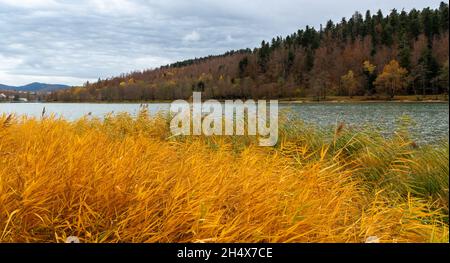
{"x":392,"y":79}
{"x":370,"y":68}
{"x":349,"y":83}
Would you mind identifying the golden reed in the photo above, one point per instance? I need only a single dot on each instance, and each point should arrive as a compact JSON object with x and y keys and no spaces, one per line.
{"x":125,"y":179}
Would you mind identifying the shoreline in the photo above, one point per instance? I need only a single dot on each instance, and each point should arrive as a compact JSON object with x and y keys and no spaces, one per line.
{"x":279,"y":102}
{"x":331,"y":99}
{"x":361,"y":102}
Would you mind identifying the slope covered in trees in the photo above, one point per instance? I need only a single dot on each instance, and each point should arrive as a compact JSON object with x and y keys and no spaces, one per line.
{"x":367,"y":54}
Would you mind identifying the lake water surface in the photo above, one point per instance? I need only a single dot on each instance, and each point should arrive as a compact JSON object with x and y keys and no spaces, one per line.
{"x":431,"y":120}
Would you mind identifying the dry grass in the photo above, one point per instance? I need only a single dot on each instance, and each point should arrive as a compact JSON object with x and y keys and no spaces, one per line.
{"x":124,"y":180}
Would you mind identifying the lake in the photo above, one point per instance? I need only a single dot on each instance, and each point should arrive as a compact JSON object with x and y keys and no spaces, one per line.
{"x":431,"y":120}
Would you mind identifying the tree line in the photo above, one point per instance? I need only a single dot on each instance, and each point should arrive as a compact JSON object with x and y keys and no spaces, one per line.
{"x":400,"y":53}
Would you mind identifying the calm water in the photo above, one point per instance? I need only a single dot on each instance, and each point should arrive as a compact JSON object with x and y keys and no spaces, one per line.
{"x":431,"y":120}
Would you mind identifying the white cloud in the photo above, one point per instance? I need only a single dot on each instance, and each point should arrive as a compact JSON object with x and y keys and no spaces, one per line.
{"x":150,"y":62}
{"x":194,"y":36}
{"x":114,"y":7}
{"x":29,"y":4}
{"x":9,"y":62}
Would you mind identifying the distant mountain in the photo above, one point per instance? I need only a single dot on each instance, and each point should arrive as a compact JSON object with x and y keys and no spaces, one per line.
{"x":5,"y":87}
{"x":35,"y":86}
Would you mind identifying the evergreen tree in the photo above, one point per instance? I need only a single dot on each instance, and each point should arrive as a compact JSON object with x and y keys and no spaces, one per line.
{"x":443,"y":78}
{"x":263,"y":56}
{"x":430,"y":67}
{"x":414,"y":25}
{"x":309,"y":59}
{"x":393,"y":18}
{"x":242,"y":66}
{"x":344,"y":30}
{"x":371,"y":75}
{"x":430,"y":22}
{"x":368,"y":26}
{"x":289,"y":61}
{"x":387,"y":35}
{"x":443,"y":16}
{"x":404,"y":55}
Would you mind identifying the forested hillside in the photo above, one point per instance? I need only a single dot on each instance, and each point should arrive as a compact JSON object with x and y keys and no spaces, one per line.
{"x":366,"y":55}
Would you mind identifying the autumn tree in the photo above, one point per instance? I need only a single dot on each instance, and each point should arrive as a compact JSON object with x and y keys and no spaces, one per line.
{"x":392,"y":79}
{"x":349,"y":83}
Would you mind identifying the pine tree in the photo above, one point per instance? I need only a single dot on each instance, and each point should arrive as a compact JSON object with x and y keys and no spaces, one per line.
{"x":371,"y":75}
{"x":387,"y":35}
{"x":443,"y":16}
{"x":242,"y":66}
{"x":263,"y":56}
{"x":404,"y":55}
{"x":443,"y":78}
{"x":430,"y":67}
{"x":415,"y":25}
{"x":309,"y":59}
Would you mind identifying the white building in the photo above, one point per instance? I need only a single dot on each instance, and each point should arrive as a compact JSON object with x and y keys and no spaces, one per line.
{"x":3,"y":96}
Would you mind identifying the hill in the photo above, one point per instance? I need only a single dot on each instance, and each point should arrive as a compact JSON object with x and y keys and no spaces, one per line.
{"x":35,"y":87}
{"x":5,"y":87}
{"x":400,"y":53}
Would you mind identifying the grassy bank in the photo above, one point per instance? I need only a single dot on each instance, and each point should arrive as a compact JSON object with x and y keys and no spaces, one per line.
{"x":126,"y":179}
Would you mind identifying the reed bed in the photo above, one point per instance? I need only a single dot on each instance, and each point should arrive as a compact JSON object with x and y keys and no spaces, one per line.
{"x":126,"y":179}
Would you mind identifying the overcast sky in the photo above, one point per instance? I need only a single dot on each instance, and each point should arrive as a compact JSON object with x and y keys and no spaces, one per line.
{"x":70,"y":42}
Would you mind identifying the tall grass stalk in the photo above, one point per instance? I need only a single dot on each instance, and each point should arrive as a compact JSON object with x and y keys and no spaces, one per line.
{"x":125,"y":179}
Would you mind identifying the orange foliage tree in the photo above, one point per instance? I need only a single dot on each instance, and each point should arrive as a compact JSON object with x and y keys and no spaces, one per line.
{"x":392,"y":79}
